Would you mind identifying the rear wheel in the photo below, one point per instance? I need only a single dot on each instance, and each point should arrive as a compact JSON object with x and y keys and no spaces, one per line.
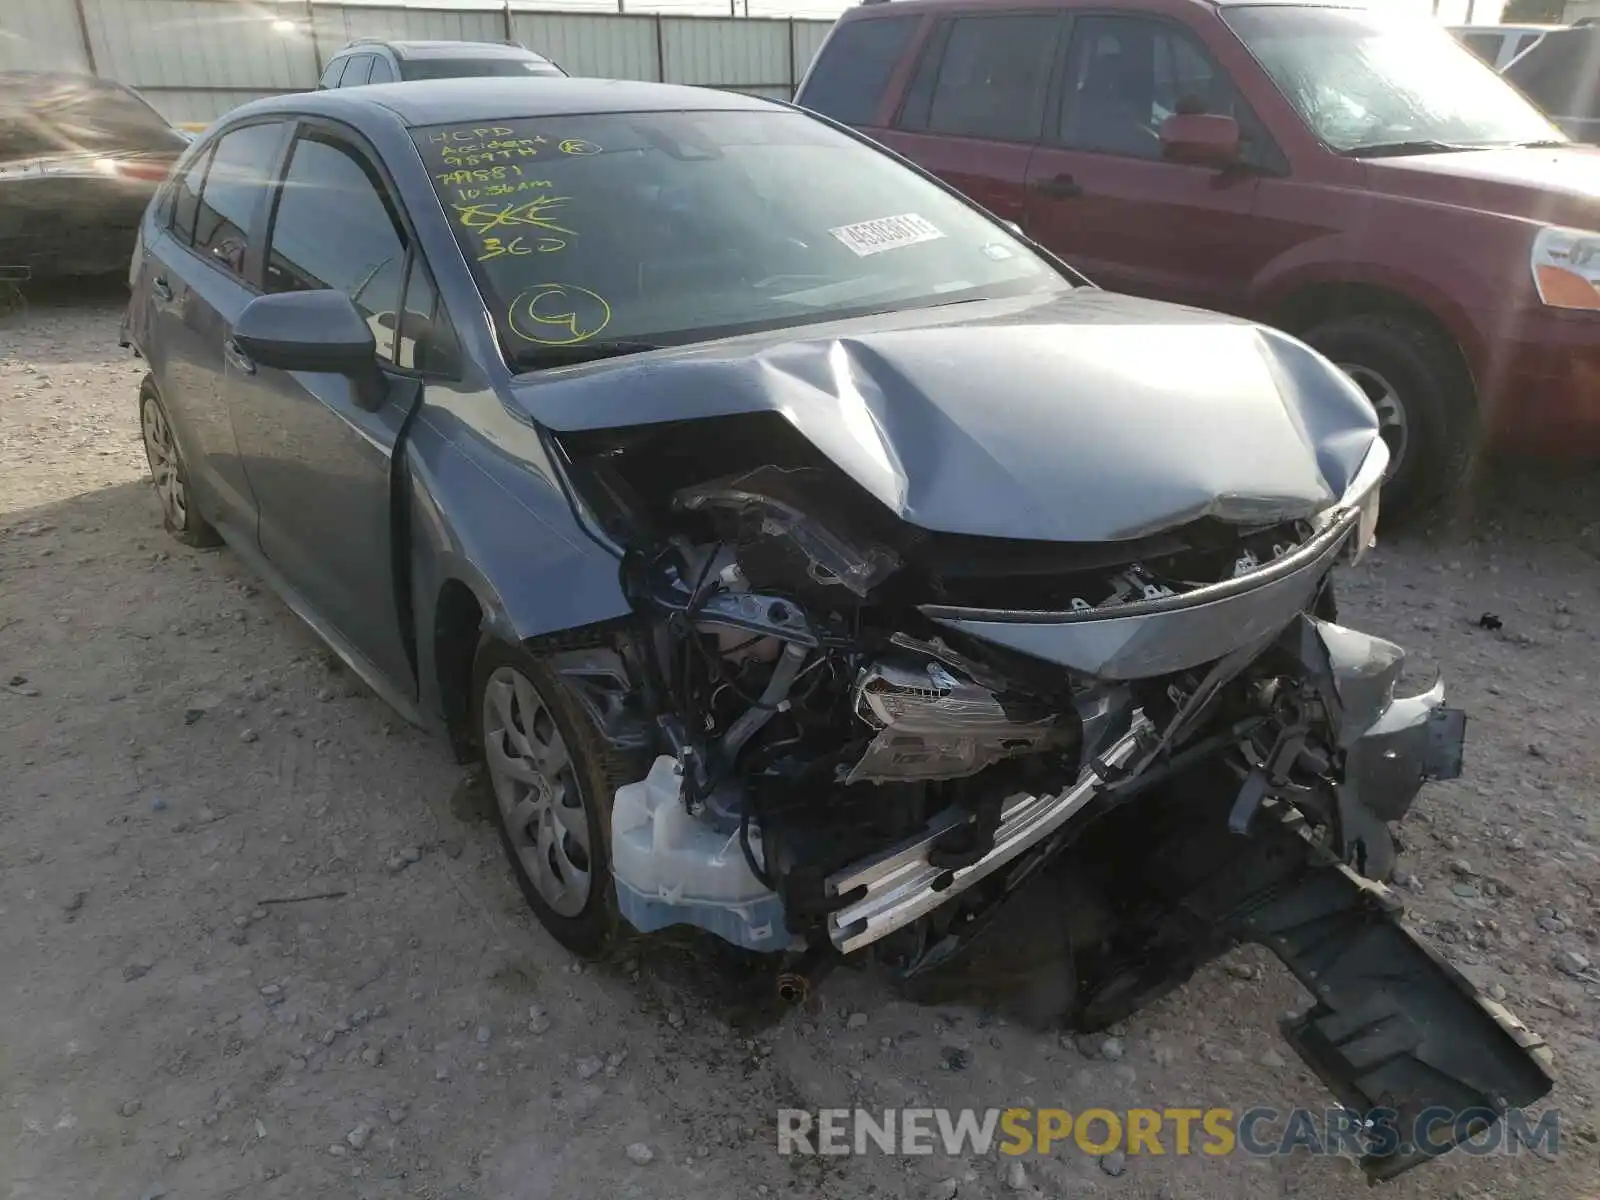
{"x":552,"y":776}
{"x":1423,"y":397}
{"x":182,"y":520}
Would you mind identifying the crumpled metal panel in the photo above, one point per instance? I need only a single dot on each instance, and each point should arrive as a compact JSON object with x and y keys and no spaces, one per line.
{"x":1085,"y":416}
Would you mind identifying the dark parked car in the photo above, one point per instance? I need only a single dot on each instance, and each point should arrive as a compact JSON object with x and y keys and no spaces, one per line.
{"x":1355,"y":177}
{"x":1561,"y":74}
{"x":80,"y":158}
{"x":374,"y":60}
{"x":805,"y":557}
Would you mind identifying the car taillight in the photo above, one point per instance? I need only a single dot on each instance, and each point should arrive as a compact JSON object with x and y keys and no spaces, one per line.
{"x":132,"y":168}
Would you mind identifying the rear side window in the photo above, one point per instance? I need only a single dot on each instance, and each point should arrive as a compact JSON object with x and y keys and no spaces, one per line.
{"x":234,"y":186}
{"x":990,"y":79}
{"x":849,"y":78}
{"x":186,"y":197}
{"x":358,"y":72}
{"x":336,"y":228}
{"x":382,"y":72}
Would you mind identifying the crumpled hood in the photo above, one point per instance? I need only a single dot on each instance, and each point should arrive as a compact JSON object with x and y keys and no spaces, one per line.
{"x":1082,"y":417}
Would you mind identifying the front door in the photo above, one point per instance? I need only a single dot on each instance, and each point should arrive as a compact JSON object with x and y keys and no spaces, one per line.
{"x":319,"y":463}
{"x":973,"y":110}
{"x":1101,"y":195}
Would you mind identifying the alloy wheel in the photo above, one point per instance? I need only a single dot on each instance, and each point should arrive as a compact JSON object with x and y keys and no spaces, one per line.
{"x":162,"y":454}
{"x":537,"y":793}
{"x":1393,"y":426}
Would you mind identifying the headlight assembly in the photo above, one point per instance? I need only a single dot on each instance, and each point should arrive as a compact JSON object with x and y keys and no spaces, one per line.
{"x":1566,"y":267}
{"x":1362,"y":494}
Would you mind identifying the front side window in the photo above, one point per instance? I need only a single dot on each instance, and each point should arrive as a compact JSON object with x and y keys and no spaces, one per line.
{"x":1561,"y":73}
{"x":335,"y":228}
{"x":1485,"y":45}
{"x":335,"y":72}
{"x":234,"y":186}
{"x":852,"y":72}
{"x":1126,"y":75}
{"x":673,"y":227}
{"x":992,"y":76}
{"x":1368,"y":82}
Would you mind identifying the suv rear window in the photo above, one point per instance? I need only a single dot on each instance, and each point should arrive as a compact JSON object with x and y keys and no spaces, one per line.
{"x":850,"y":75}
{"x":466,"y":68}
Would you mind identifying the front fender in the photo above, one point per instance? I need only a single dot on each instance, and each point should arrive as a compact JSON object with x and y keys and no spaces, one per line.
{"x":487,"y":510}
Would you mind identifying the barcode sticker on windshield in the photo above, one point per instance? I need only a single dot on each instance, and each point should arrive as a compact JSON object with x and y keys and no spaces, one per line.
{"x":887,"y":233}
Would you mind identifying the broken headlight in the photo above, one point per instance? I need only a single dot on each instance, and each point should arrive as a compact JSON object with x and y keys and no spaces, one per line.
{"x":1362,"y":494}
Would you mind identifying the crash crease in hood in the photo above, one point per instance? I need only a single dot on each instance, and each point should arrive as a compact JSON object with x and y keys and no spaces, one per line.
{"x":1089,"y":417}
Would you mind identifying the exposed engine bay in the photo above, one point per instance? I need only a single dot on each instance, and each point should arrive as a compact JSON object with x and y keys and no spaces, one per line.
{"x":862,"y":735}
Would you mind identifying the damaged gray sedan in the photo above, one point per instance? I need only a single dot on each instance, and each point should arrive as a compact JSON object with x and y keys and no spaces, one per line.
{"x":810,"y":559}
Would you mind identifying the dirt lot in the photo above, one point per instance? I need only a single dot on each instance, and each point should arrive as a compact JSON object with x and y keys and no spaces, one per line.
{"x":178,"y":751}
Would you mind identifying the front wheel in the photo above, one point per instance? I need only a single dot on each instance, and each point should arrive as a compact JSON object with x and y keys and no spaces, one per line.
{"x":1423,"y":397}
{"x":553,"y":777}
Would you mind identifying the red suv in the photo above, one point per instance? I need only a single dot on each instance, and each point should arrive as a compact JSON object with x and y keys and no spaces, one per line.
{"x":1353,"y":176}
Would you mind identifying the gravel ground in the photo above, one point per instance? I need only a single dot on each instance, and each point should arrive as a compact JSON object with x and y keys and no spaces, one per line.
{"x":179,"y":753}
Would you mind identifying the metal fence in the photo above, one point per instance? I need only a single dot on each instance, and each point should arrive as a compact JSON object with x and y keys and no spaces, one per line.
{"x":195,"y":59}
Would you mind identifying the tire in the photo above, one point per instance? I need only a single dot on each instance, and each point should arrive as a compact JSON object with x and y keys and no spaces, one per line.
{"x":1431,"y":422}
{"x":586,"y":925}
{"x":169,"y":474}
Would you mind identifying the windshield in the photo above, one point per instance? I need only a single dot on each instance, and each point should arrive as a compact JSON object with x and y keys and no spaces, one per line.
{"x":671,"y":227}
{"x":466,"y":68}
{"x":1370,"y":82}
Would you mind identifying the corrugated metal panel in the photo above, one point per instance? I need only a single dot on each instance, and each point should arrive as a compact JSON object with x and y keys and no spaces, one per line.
{"x":197,"y":108}
{"x":40,"y":35}
{"x":607,"y":47}
{"x":808,"y":39}
{"x":199,"y":44}
{"x":725,"y":52}
{"x":338,"y":24}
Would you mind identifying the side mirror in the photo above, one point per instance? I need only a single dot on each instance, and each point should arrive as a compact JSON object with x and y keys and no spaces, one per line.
{"x":1200,"y":139}
{"x":313,"y":331}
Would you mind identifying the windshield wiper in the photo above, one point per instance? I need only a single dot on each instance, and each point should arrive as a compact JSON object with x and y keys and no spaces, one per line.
{"x":1398,"y":149}
{"x":534,"y":357}
{"x":1545,"y":144}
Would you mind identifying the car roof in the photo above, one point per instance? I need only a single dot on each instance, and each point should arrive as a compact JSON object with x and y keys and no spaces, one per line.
{"x":449,"y":101}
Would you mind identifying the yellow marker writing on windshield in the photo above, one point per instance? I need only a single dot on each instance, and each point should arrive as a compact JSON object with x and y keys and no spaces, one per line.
{"x":558,"y":314}
{"x":484,"y":217}
{"x":578,"y":146}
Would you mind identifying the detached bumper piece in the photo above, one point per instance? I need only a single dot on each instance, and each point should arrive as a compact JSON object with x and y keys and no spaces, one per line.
{"x":1395,"y":1027}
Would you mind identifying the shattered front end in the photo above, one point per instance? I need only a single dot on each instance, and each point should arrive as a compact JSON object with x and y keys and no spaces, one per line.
{"x":870,"y":734}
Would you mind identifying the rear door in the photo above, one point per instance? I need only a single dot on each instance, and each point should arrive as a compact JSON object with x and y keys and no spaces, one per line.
{"x":974,"y":107}
{"x":319,"y":463}
{"x":1101,"y":195}
{"x":197,"y":279}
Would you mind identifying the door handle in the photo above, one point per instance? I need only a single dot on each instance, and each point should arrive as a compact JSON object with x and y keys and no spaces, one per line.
{"x":236,"y":356}
{"x":161,"y":288}
{"x":1059,"y":187}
